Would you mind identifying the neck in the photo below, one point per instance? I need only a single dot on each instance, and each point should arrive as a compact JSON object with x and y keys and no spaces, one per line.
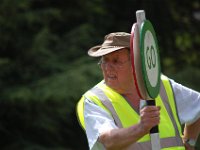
{"x":130,"y":93}
{"x":133,"y":99}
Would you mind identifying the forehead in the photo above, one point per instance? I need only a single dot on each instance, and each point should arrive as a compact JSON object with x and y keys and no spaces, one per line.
{"x":122,"y":53}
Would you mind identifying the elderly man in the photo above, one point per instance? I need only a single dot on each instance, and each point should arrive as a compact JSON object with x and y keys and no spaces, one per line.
{"x":111,"y":111}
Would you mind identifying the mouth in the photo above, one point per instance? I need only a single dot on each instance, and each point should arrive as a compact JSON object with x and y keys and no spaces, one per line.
{"x":111,"y":77}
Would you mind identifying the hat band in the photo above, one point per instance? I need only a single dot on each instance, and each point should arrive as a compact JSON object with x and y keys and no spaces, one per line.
{"x":107,"y":47}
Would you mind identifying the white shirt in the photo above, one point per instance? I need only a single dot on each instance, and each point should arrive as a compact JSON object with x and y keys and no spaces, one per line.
{"x":98,"y":120}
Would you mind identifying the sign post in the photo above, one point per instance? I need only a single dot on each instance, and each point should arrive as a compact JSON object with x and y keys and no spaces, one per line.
{"x":146,"y":65}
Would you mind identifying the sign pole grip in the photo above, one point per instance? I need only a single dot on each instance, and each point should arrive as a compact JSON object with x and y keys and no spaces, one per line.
{"x":152,"y":103}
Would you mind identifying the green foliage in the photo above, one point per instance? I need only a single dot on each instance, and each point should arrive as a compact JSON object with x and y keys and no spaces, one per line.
{"x":184,"y":77}
{"x":43,"y":112}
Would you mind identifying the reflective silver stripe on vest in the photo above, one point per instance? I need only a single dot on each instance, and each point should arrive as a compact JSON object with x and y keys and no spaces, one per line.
{"x":165,"y":99}
{"x":165,"y":142}
{"x":107,"y":103}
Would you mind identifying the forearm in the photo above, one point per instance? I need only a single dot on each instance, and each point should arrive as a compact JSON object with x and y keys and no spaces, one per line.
{"x":192,"y":131}
{"x":118,"y":139}
{"x":121,"y":138}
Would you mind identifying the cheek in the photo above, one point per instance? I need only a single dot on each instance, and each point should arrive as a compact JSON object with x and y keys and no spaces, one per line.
{"x":105,"y":76}
{"x":126,"y":75}
{"x":103,"y":72}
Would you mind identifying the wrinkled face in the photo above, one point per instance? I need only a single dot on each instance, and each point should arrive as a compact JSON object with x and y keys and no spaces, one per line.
{"x":117,"y":70}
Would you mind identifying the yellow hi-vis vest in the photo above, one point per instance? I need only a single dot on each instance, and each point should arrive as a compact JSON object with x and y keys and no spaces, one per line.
{"x":124,"y":115}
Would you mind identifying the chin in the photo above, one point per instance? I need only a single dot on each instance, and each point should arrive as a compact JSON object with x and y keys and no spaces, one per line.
{"x":115,"y":87}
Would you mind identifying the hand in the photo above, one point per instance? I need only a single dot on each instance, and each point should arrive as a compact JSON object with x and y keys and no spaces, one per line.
{"x":149,"y":117}
{"x":188,"y":147}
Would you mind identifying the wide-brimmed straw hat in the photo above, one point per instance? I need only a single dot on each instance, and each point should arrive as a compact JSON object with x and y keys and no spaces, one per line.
{"x":112,"y":42}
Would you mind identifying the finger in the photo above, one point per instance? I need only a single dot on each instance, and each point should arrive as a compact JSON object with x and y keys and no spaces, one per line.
{"x":150,"y":114}
{"x":150,"y":108}
{"x":148,"y":123}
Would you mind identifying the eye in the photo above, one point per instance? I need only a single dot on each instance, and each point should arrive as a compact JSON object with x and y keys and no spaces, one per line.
{"x":116,"y":61}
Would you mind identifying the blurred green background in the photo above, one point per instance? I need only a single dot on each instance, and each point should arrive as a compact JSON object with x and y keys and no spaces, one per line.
{"x":44,"y":67}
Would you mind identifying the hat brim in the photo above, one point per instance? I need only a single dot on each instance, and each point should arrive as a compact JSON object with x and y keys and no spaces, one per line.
{"x":98,"y":51}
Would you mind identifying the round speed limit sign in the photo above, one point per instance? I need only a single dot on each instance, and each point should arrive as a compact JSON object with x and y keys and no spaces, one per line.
{"x":150,"y":59}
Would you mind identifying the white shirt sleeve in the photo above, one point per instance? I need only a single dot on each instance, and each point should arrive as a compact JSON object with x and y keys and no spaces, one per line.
{"x":97,"y":120}
{"x":187,"y":102}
